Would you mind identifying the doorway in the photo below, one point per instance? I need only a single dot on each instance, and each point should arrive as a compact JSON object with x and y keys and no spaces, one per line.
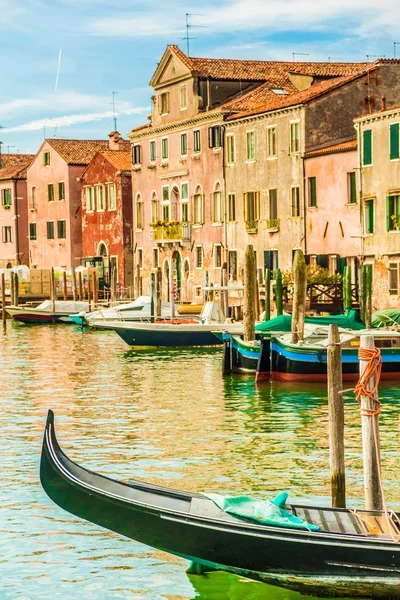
{"x":177,"y":273}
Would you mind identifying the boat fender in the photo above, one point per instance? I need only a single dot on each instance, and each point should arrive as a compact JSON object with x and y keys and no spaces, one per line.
{"x":321,"y":358}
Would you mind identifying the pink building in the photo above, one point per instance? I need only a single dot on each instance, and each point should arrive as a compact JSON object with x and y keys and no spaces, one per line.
{"x":332,"y":207}
{"x":107,"y":212}
{"x":14,"y":246}
{"x":54,"y":191}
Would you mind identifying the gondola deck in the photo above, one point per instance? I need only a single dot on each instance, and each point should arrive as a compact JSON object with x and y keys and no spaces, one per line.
{"x":192,"y":526}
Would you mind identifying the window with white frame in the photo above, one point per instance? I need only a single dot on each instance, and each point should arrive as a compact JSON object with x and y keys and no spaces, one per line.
{"x":273,"y":204}
{"x":217,"y":256}
{"x":215,"y":136}
{"x":100,"y":198}
{"x":271,"y":142}
{"x":164,"y":103}
{"x":196,"y":141}
{"x":156,"y":258}
{"x":198,"y":256}
{"x":217,"y":205}
{"x":183,"y":97}
{"x":198,"y":207}
{"x":232,"y":264}
{"x":136,"y":154}
{"x":89,"y":199}
{"x":251,"y":145}
{"x":139,"y":212}
{"x":6,"y":234}
{"x":154,"y":208}
{"x":295,"y":137}
{"x":139,"y":257}
{"x":164,"y":148}
{"x":165,"y":203}
{"x":394,"y":278}
{"x":251,"y":204}
{"x":295,"y":192}
{"x":230,"y":149}
{"x":111,"y":196}
{"x":152,"y":151}
{"x":183,"y":144}
{"x":6,"y":197}
{"x":185,"y":202}
{"x":231,"y":207}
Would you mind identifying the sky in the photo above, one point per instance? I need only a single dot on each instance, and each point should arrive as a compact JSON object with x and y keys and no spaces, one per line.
{"x":61,"y":60}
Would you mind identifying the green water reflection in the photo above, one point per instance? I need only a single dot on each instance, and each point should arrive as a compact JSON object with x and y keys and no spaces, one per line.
{"x":168,"y":417}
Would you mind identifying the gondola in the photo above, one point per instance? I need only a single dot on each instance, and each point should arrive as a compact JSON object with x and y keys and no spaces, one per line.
{"x":351,"y":555}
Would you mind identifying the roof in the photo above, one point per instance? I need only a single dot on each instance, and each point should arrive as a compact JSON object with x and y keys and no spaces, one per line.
{"x":120,"y":159}
{"x":343,"y":147}
{"x":14,"y":166}
{"x":77,"y":152}
{"x":261,"y":70}
{"x":382,"y":111}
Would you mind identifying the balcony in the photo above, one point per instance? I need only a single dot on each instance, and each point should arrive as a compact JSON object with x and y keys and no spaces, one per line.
{"x":169,"y":233}
{"x":32,"y":207}
{"x":272,"y":225}
{"x":6,"y":205}
{"x":251,"y":226}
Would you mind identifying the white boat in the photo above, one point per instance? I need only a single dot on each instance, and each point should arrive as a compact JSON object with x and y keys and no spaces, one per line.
{"x":47,"y":312}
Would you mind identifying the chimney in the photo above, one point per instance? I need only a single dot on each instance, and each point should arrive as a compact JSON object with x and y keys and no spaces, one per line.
{"x":383,"y":102}
{"x":115,"y":141}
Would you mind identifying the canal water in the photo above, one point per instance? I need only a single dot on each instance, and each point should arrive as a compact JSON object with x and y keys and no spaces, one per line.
{"x":167,"y":417}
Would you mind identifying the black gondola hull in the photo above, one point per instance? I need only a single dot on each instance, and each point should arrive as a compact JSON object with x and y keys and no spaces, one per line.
{"x":164,"y":519}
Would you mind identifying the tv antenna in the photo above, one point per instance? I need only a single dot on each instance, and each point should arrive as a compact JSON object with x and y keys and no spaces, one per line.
{"x":8,"y":148}
{"x":394,"y":48}
{"x":374,"y":56}
{"x":294,"y":54}
{"x":189,"y":26}
{"x":113,"y":109}
{"x":334,"y":58}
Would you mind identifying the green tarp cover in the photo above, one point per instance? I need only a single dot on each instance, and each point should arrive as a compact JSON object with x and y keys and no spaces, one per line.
{"x":284,"y":323}
{"x":385,"y":317}
{"x":266,"y":512}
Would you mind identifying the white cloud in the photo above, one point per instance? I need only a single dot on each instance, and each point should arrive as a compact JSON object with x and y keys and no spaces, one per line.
{"x":68,"y":120}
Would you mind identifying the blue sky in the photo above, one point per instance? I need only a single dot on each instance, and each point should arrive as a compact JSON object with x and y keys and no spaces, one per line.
{"x":114,"y":45}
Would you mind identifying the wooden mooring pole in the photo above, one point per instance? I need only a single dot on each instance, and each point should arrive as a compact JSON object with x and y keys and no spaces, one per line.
{"x":278,"y":293}
{"x":158,"y":292}
{"x":267,"y":302}
{"x":73,"y":276}
{"x":52,"y":290}
{"x":89,"y":292}
{"x":249,"y":294}
{"x":370,"y":433}
{"x":80,"y":286}
{"x":171,"y":291}
{"x":3,"y":300}
{"x":336,"y":419}
{"x":65,"y":285}
{"x":95,"y":289}
{"x":299,"y":296}
{"x":152,"y":293}
{"x":224,"y":283}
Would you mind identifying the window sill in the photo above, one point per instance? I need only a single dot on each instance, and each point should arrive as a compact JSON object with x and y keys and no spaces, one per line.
{"x":272,"y":158}
{"x":112,"y":209}
{"x":391,"y":231}
{"x":197,"y":225}
{"x":139,"y":230}
{"x":366,"y":166}
{"x":217,"y":149}
{"x":136,"y":167}
{"x":101,"y":210}
{"x":164,"y":164}
{"x":250,"y":161}
{"x":351,"y":204}
{"x":88,"y":212}
{"x":217,"y":224}
{"x":152,"y":165}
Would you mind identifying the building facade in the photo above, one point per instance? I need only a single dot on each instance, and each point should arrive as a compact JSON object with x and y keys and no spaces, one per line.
{"x":107,"y":235}
{"x":379,"y":166}
{"x":54,"y":198}
{"x":14,"y":245}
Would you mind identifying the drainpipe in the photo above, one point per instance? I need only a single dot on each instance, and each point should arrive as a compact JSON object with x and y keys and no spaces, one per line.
{"x":225,"y":195}
{"x":303,"y":160}
{"x":16,"y":221}
{"x":360,"y":181}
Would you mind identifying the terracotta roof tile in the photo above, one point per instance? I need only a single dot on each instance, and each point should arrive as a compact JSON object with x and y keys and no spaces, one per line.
{"x":343,"y":147}
{"x":14,"y":166}
{"x":121,"y":159}
{"x":77,"y":152}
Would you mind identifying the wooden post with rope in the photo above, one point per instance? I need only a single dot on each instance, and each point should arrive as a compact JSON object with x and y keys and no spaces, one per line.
{"x":89,"y":291}
{"x":367,"y":395}
{"x":336,"y":419}
{"x":53,"y":291}
{"x":278,"y":293}
{"x":249,"y":294}
{"x":299,"y":296}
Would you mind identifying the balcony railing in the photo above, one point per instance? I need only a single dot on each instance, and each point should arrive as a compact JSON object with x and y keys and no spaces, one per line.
{"x":251,"y":226}
{"x":272,"y":224}
{"x":173,"y":232}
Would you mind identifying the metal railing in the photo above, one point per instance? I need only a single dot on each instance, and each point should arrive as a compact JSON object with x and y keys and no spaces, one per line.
{"x":272,"y":224}
{"x":171,"y":232}
{"x":251,"y":226}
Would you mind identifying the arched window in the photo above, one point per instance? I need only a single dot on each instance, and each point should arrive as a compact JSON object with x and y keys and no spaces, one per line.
{"x":165,"y":269}
{"x":198,"y":206}
{"x":139,"y":212}
{"x":217,"y":213}
{"x":102,"y":249}
{"x":154,"y":208}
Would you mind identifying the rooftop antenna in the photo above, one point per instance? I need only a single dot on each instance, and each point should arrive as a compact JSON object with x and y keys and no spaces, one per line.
{"x":299,"y":54}
{"x":113,"y":107}
{"x":55,"y":130}
{"x":374,"y":56}
{"x":190,"y":26}
{"x":58,"y":71}
{"x":8,"y":149}
{"x":394,"y":48}
{"x":334,"y":58}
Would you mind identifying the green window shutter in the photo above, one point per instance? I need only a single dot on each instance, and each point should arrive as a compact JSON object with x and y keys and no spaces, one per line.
{"x":389,"y":212}
{"x":313,"y":191}
{"x":371,"y":216}
{"x":394,"y":141}
{"x":367,"y":147}
{"x":353,"y":189}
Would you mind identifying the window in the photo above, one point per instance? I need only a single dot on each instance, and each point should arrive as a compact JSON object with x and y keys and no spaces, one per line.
{"x":164,"y":103}
{"x":393,"y":273}
{"x":273,"y":204}
{"x":46,"y":159}
{"x":183,"y":97}
{"x":111,"y":196}
{"x":6,"y":197}
{"x":198,"y":257}
{"x":394,"y":142}
{"x":294,"y":137}
{"x":139,"y":257}
{"x":369,"y":216}
{"x":156,"y":258}
{"x":100,"y":198}
{"x":89,"y":199}
{"x":196,"y":141}
{"x":251,"y":202}
{"x":198,"y":210}
{"x":185,"y":203}
{"x":217,"y":256}
{"x":351,"y":188}
{"x":296,"y":201}
{"x":393,"y":213}
{"x":183,"y":144}
{"x":164,"y":149}
{"x":165,"y":211}
{"x":232,"y":264}
{"x":271,"y":142}
{"x":32,"y":232}
{"x":153,"y":152}
{"x":217,"y":207}
{"x":251,"y":150}
{"x":50,"y":192}
{"x":61,"y":230}
{"x":367,"y":147}
{"x":154,"y":208}
{"x":50,"y":230}
{"x":312,"y":192}
{"x":7,"y":234}
{"x":61,"y":190}
{"x":139,"y":214}
{"x":136,"y":154}
{"x":33,"y":197}
{"x":215,"y":136}
{"x":271,"y":260}
{"x":231,"y":207}
{"x":230,"y":149}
